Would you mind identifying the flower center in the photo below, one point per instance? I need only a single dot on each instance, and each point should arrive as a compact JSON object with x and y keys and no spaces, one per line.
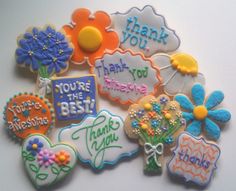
{"x":54,"y":59}
{"x":62,"y":158}
{"x":147,"y":106}
{"x":30,"y":53}
{"x":45,"y":158}
{"x":89,"y":38}
{"x":184,"y":63}
{"x":34,"y":146}
{"x":200,"y":112}
{"x":167,"y":115}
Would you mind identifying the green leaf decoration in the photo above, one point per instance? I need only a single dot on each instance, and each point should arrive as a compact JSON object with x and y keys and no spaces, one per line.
{"x":42,"y":176}
{"x":66,"y":169}
{"x":33,"y":168}
{"x":30,"y":158}
{"x":24,"y":154}
{"x":55,"y":170}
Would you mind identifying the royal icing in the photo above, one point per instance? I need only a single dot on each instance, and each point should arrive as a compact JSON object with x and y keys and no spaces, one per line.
{"x":194,"y":159}
{"x":91,"y":34}
{"x":155,"y":123}
{"x":74,"y":97}
{"x":45,"y":51}
{"x":144,"y":31}
{"x":45,"y":162}
{"x":178,"y":71}
{"x":126,"y":76}
{"x":28,"y":113}
{"x":202,"y":112}
{"x":99,"y":139}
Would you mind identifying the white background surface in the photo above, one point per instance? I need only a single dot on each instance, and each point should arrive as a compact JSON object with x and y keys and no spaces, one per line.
{"x":207,"y":30}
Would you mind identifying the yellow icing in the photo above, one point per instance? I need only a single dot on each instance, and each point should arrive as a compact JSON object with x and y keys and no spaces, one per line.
{"x":62,"y":158}
{"x":34,"y":146}
{"x":144,"y":126}
{"x":200,"y":112}
{"x":147,"y":106}
{"x":90,"y":38}
{"x":167,"y":115}
{"x":184,"y":63}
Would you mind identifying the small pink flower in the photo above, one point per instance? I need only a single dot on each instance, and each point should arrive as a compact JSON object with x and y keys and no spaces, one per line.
{"x":45,"y":158}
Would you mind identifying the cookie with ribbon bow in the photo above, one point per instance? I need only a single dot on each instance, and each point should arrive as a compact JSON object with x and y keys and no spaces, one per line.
{"x":155,"y":122}
{"x":46,"y":52}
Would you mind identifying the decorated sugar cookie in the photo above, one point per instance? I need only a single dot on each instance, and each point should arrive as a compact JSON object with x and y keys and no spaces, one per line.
{"x":45,"y":51}
{"x":45,"y":162}
{"x":99,"y":139}
{"x":74,"y":97}
{"x":126,"y":76}
{"x":194,"y":159}
{"x":28,"y":113}
{"x":155,"y":122}
{"x":91,"y":34}
{"x":200,"y":115}
{"x":178,"y":71}
{"x":144,"y":31}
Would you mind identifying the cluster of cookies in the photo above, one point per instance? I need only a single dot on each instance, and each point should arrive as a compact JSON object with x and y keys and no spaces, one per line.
{"x":130,"y":63}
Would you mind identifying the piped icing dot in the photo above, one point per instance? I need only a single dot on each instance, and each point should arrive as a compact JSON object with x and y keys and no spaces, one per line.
{"x":62,"y":158}
{"x":144,"y":126}
{"x":90,"y":38}
{"x":200,"y":112}
{"x":184,"y":63}
{"x":147,"y":106}
{"x":34,"y":146}
{"x":167,"y":115}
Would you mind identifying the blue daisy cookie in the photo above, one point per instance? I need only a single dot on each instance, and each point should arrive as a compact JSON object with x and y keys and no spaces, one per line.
{"x":201,"y":113}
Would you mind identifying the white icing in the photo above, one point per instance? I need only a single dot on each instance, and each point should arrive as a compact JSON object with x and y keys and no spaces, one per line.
{"x":194,"y":149}
{"x":173,"y":81}
{"x":136,"y":65}
{"x":146,"y":17}
{"x":52,"y":178}
{"x":85,"y":137}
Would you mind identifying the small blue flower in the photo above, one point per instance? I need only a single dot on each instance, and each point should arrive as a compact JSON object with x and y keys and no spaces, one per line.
{"x":135,"y":124}
{"x":169,"y":140}
{"x":154,"y":123}
{"x":34,"y":146}
{"x":140,"y":113}
{"x":202,"y":113}
{"x":26,"y":113}
{"x":156,"y":107}
{"x":163,"y":100}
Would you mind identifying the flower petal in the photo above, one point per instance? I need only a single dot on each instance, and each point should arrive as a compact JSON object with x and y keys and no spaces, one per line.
{"x":198,"y":94}
{"x":214,"y":99}
{"x":212,"y":129}
{"x":220,"y":115}
{"x":184,"y":102}
{"x":188,"y":116}
{"x":194,"y":128}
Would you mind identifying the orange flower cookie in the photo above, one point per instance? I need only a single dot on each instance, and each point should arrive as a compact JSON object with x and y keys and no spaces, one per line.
{"x":90,"y":35}
{"x":28,"y":113}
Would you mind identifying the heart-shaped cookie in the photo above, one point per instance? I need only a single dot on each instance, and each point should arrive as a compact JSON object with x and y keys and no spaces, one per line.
{"x":46,"y":163}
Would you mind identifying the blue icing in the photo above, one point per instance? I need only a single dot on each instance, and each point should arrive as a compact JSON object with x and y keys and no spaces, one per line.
{"x":184,"y":102}
{"x":140,"y":35}
{"x":220,"y":115}
{"x":44,"y":47}
{"x":214,"y":99}
{"x":188,"y":116}
{"x":74,"y":98}
{"x":212,"y":129}
{"x":194,"y":128}
{"x":198,"y":94}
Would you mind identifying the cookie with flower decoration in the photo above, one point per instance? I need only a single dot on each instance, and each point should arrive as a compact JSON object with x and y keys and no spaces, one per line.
{"x":46,"y":52}
{"x":91,"y":35}
{"x":47,"y":163}
{"x":200,"y":113}
{"x":155,"y":123}
{"x":179,"y":72}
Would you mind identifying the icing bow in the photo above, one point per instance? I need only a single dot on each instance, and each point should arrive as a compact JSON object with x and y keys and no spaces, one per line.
{"x":44,"y":86}
{"x":153,"y":151}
